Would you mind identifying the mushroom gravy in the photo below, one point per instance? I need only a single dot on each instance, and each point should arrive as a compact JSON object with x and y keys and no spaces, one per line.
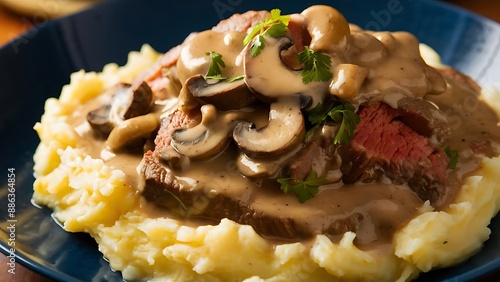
{"x":365,"y":66}
{"x":384,"y":206}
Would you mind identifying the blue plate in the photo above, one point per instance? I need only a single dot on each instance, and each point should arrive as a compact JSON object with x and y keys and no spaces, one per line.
{"x":36,"y":65}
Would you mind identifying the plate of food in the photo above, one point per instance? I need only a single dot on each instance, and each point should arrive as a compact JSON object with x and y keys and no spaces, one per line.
{"x":253,"y":141}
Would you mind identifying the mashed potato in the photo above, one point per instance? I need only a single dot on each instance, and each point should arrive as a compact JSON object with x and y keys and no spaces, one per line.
{"x":88,"y":195}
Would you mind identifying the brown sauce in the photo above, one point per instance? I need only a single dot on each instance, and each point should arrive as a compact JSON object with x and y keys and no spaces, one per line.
{"x":385,"y":207}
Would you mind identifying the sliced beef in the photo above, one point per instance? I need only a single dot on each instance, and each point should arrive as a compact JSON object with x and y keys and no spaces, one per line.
{"x":177,"y":119}
{"x":297,"y":29}
{"x":339,"y":227}
{"x":240,"y":22}
{"x":167,"y":60}
{"x":161,"y":76}
{"x":385,"y":145}
{"x":451,"y":73}
{"x":467,"y":96}
{"x":484,"y":146}
{"x":302,"y":165}
{"x":163,"y":189}
{"x":425,"y":119}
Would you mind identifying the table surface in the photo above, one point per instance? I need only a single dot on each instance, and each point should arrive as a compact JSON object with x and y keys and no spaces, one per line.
{"x":12,"y":24}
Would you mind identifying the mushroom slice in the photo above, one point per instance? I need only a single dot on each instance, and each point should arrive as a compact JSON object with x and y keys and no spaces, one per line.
{"x":99,"y":120}
{"x":131,"y":102}
{"x":261,"y":168}
{"x":210,"y":137}
{"x":284,"y":131}
{"x":270,"y":78}
{"x":252,"y":168}
{"x":224,"y":95}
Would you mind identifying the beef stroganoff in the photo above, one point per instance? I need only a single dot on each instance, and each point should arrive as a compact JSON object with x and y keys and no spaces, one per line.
{"x":318,"y":150}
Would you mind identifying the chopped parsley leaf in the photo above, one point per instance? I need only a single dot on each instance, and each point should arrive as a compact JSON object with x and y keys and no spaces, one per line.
{"x":316,"y":66}
{"x":304,"y":189}
{"x":275,"y":25}
{"x":214,"y":68}
{"x":453,"y":155}
{"x":343,"y":113}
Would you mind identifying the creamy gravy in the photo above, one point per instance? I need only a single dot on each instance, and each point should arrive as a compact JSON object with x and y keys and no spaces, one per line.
{"x":395,"y":69}
{"x":193,"y":59}
{"x":384,"y":207}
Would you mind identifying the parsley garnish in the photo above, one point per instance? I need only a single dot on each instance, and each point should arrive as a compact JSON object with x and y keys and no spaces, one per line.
{"x":216,"y":62}
{"x":453,"y":155}
{"x":181,"y":204}
{"x":214,"y":69}
{"x":235,"y":78}
{"x":275,"y":25}
{"x":343,"y":112}
{"x":257,"y":45}
{"x":316,"y":66}
{"x":303,"y":189}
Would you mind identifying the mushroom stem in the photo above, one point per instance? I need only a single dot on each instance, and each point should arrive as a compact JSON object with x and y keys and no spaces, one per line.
{"x":223,"y":95}
{"x":328,"y":28}
{"x":347,"y":80}
{"x":132,"y":130}
{"x":261,"y":168}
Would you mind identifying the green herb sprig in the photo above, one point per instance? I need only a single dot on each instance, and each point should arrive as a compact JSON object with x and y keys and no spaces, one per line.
{"x":316,"y":66}
{"x":453,"y":155}
{"x":304,"y":189}
{"x":343,"y":113}
{"x":275,"y":25}
{"x":235,"y":78}
{"x":214,"y":68}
